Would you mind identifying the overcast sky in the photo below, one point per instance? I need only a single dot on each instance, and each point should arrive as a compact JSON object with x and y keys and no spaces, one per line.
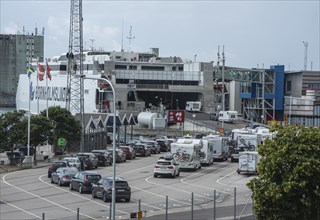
{"x":254,"y":33}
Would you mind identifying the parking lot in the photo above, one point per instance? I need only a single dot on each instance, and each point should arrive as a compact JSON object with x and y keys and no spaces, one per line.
{"x":29,"y":194}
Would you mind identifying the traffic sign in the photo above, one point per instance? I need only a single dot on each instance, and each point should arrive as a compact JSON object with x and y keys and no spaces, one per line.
{"x":176,"y":116}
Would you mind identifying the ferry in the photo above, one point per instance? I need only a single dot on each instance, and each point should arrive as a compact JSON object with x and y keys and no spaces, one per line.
{"x":45,"y":93}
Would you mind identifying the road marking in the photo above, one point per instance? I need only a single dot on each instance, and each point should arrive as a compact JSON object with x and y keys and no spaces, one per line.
{"x":224,"y":184}
{"x":20,"y":209}
{"x":82,"y":197}
{"x":47,"y":200}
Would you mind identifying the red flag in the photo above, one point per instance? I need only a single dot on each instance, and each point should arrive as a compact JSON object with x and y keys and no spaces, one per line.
{"x":40,"y":71}
{"x":48,"y":70}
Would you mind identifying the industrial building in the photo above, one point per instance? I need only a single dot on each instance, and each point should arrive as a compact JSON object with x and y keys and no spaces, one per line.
{"x":15,"y":51}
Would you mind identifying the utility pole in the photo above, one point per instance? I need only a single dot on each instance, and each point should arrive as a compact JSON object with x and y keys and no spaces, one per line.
{"x":75,"y":84}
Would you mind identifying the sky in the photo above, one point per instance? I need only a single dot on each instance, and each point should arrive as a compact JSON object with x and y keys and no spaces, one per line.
{"x":254,"y":33}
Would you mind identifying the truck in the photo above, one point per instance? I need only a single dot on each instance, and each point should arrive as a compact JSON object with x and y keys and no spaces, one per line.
{"x":193,"y":106}
{"x":187,"y":153}
{"x":221,"y":148}
{"x":248,"y":161}
{"x":228,"y":116}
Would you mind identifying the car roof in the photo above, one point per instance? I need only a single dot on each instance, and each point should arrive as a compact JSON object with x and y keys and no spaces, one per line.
{"x":111,"y":178}
{"x":89,"y":172}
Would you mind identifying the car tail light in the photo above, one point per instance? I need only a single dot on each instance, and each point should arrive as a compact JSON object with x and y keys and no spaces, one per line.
{"x":109,"y":189}
{"x":66,"y":177}
{"x":50,"y":168}
{"x":170,"y":167}
{"x":156,"y":166}
{"x":85,"y":179}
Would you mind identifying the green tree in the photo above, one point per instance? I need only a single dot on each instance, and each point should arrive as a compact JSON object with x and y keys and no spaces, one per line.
{"x":64,"y":124}
{"x":288,"y":186}
{"x":11,"y":130}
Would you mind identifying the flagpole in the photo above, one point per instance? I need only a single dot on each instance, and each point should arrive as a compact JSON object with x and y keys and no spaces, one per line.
{"x":47,"y":111}
{"x":37,"y":85}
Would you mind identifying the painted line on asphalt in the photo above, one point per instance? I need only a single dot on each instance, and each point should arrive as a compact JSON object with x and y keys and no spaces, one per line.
{"x":169,"y":187}
{"x":224,"y":184}
{"x":78,"y":195}
{"x":20,"y":209}
{"x":204,"y":187}
{"x":56,"y":204}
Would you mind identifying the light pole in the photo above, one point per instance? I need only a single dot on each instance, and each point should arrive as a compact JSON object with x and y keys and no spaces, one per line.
{"x":113,"y":146}
{"x":177,"y":100}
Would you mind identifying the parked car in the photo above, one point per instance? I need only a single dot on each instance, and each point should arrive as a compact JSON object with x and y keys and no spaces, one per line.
{"x":166,"y":166}
{"x":103,"y":157}
{"x":153,"y":145}
{"x":63,"y":175}
{"x":55,"y":165}
{"x":120,"y":155}
{"x":103,"y":189}
{"x":142,"y":149}
{"x":128,"y":151}
{"x":83,"y":181}
{"x":89,"y":160}
{"x":165,"y":146}
{"x":73,"y":162}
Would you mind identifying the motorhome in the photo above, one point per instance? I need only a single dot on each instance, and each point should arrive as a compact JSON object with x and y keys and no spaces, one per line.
{"x":249,"y":142}
{"x":187,"y":153}
{"x":228,"y":116}
{"x":193,"y":106}
{"x":206,"y":153}
{"x":248,"y":161}
{"x":221,"y":148}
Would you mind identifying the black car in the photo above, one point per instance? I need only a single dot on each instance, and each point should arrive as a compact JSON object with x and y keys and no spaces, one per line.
{"x":55,"y":165}
{"x":103,"y":189}
{"x":89,"y":160}
{"x":83,"y":181}
{"x":103,"y":157}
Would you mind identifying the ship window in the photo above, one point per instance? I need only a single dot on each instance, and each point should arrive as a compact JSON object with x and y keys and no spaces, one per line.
{"x":86,"y":91}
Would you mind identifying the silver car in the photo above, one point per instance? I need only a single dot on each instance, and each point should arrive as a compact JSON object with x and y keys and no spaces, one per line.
{"x":63,"y":175}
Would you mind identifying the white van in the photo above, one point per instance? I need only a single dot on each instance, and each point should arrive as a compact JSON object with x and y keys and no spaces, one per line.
{"x":228,"y":116}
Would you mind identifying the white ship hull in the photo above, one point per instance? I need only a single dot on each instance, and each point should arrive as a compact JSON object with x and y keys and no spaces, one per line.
{"x":56,"y":95}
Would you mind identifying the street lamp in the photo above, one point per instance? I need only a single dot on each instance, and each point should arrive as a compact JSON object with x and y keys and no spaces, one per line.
{"x":113,"y":145}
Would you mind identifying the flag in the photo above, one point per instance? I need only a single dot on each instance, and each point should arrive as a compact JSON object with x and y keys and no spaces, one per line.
{"x":41,"y":71}
{"x":30,"y":70}
{"x":48,"y":70}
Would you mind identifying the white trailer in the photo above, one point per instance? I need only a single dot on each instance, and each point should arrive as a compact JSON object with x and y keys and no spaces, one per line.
{"x":187,"y":153}
{"x":221,"y":148}
{"x":228,"y":116}
{"x":193,"y":106}
{"x":248,"y":161}
{"x":206,"y":153}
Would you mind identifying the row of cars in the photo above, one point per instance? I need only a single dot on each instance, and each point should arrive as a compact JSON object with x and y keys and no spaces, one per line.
{"x":69,"y":170}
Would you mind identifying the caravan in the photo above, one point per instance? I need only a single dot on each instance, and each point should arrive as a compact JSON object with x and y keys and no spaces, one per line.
{"x":193,"y":106}
{"x":248,"y":161}
{"x":220,"y":147}
{"x":228,"y":116}
{"x":187,"y":153}
{"x":206,"y":153}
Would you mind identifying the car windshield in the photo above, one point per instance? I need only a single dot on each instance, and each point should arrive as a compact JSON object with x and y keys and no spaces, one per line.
{"x":164,"y":163}
{"x":70,"y":171}
{"x":94,"y":177}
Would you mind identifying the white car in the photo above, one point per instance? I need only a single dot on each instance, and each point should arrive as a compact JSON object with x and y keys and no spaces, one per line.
{"x":73,"y":162}
{"x":166,"y":166}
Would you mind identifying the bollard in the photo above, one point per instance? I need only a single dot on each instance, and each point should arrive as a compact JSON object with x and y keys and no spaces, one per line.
{"x":139,"y":205}
{"x":110,"y":209}
{"x":192,"y":206}
{"x":214,"y":205}
{"x":235,"y":203}
{"x":78,"y":213}
{"x":166,"y":207}
{"x":43,"y":216}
